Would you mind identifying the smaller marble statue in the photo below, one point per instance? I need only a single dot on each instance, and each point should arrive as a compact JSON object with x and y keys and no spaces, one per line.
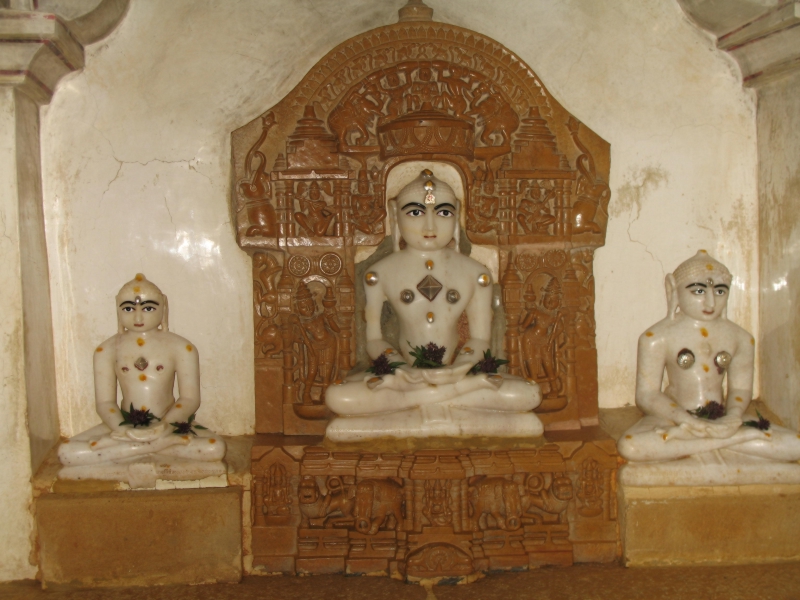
{"x":699,"y":347}
{"x":148,"y":435}
{"x":429,"y":285}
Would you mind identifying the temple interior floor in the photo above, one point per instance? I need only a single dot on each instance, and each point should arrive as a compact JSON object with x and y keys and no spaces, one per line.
{"x":585,"y":582}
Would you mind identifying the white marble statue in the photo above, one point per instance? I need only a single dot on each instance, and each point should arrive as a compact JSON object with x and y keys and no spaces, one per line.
{"x":429,"y":285}
{"x":149,"y":434}
{"x":699,"y":347}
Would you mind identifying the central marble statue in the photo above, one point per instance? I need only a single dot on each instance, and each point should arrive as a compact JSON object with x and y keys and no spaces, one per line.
{"x":429,"y":285}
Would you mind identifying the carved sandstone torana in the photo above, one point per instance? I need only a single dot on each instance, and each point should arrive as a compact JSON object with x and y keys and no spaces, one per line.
{"x":309,"y":188}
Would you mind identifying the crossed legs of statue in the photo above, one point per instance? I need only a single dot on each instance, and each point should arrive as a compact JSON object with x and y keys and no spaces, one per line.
{"x":655,"y":439}
{"x":499,"y":406}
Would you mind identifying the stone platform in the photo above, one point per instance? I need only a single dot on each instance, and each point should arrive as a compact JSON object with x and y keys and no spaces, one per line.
{"x":723,"y":525}
{"x":102,"y":533}
{"x":451,"y":509}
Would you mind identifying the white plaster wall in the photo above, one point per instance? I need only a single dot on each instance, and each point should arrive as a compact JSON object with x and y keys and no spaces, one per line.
{"x":136,"y":165}
{"x":779,"y":182}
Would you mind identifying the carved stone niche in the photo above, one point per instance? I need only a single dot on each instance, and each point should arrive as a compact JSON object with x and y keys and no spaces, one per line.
{"x":309,"y":180}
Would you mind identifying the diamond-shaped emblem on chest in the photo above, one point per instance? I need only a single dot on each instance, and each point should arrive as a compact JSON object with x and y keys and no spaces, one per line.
{"x":429,"y":287}
{"x":141,"y":363}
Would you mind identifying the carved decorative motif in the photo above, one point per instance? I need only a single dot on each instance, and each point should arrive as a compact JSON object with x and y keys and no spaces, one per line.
{"x":433,"y":513}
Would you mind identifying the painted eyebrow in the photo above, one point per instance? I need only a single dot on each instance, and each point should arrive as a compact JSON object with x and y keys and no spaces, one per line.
{"x":445,"y":204}
{"x":722,"y":285}
{"x":696,"y":284}
{"x":127,"y":302}
{"x":416,"y":204}
{"x":149,"y":302}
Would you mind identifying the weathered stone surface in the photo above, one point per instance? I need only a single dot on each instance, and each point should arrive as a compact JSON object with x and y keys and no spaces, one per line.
{"x":710,"y":525}
{"x":140,"y":538}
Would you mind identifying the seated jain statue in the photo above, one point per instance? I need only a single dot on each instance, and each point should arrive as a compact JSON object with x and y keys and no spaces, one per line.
{"x":148,"y":435}
{"x":698,"y":346}
{"x":429,"y":285}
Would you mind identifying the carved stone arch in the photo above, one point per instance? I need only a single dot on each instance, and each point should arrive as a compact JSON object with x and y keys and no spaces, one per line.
{"x":310,"y":174}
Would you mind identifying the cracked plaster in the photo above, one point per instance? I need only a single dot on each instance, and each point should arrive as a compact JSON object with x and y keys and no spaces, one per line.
{"x":136,"y":161}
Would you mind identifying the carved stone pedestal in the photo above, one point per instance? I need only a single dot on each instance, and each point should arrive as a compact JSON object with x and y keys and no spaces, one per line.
{"x":431,"y":513}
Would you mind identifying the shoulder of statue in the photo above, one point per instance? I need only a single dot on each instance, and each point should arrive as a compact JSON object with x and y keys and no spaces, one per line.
{"x":656,"y":333}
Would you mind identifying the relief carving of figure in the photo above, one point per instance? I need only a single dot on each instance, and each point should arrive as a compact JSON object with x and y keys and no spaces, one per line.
{"x":318,"y":332}
{"x":368,"y":215}
{"x":482,"y":211}
{"x":542,"y":337}
{"x":317,"y":214}
{"x":591,"y":192}
{"x":277,"y":492}
{"x":437,"y":507}
{"x":534,"y":211}
{"x":454,"y":89}
{"x":265,"y":301}
{"x":424,"y":91}
{"x":256,"y":187}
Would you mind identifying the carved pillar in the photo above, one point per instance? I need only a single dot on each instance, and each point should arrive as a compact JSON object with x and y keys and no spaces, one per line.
{"x":572,"y":290}
{"x":512,"y":302}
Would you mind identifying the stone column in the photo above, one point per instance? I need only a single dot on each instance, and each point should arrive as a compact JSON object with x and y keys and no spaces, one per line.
{"x":36,"y":50}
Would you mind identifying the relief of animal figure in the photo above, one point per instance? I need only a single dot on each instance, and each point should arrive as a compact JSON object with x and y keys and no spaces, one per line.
{"x":495,"y":113}
{"x":592,"y":192}
{"x":379,"y":503}
{"x":329,"y":510}
{"x":495,"y":497}
{"x":354,"y":114}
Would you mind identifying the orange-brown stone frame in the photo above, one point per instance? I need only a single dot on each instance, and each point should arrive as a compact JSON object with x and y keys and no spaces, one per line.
{"x":309,"y":179}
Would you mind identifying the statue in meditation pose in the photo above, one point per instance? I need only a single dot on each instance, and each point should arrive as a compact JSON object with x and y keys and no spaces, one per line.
{"x":149,"y":426}
{"x":698,"y":346}
{"x":428,"y":286}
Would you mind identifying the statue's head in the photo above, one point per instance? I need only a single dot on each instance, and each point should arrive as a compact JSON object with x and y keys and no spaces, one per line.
{"x":551,"y":294}
{"x":426,"y":214}
{"x":313,"y":191}
{"x":699,"y":287}
{"x":304,"y":301}
{"x":141,"y":306}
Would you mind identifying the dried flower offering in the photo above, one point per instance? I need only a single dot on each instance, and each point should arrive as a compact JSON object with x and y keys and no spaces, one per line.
{"x":137,"y":418}
{"x":488,"y":364}
{"x":382,"y":366}
{"x":429,"y":356}
{"x":712,"y":410}
{"x":762,"y":423}
{"x":185,"y":427}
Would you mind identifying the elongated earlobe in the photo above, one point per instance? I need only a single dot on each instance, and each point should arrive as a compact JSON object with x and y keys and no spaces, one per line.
{"x":395,"y":225}
{"x":672,"y":296}
{"x":165,"y":318}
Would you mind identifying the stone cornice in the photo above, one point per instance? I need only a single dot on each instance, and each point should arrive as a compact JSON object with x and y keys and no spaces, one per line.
{"x":766,"y":45}
{"x":37,"y":49}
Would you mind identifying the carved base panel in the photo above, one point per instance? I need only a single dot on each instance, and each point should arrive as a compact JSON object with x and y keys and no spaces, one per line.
{"x":427,"y":514}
